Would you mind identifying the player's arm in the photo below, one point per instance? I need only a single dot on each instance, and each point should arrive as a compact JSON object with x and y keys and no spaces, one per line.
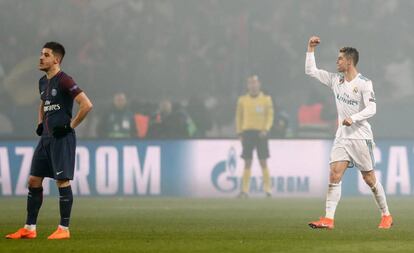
{"x":40,"y":113}
{"x":85,"y":106}
{"x":370,"y":104}
{"x":310,"y":65}
{"x":239,"y":116}
{"x":269,"y":115}
{"x":40,"y":116}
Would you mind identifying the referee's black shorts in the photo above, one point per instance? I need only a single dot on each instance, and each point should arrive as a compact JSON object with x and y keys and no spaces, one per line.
{"x":55,"y":157}
{"x":251,"y":140}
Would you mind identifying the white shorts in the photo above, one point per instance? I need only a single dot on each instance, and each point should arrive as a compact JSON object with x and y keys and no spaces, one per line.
{"x":359,"y":153}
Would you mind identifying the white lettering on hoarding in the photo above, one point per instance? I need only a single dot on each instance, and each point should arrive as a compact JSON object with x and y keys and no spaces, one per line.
{"x":141,"y":177}
{"x":398,"y":171}
{"x":80,"y":183}
{"x":5,"y":180}
{"x":27,"y":154}
{"x":107,"y":170}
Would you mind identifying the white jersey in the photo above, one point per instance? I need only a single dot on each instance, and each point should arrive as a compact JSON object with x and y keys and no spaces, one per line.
{"x":355,"y":99}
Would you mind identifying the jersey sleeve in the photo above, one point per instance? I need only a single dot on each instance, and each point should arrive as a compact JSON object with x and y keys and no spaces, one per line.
{"x":370,"y":109}
{"x":239,"y":115}
{"x":323,"y":76}
{"x":69,"y":86}
{"x":269,"y":114}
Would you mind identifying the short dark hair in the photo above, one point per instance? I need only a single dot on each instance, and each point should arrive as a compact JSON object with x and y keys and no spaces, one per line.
{"x":56,"y":48}
{"x":350,"y":52}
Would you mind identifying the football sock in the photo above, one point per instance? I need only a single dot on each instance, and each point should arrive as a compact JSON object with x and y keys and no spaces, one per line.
{"x":34,"y":202}
{"x":30,"y":227}
{"x":246,"y":180}
{"x":379,"y":196}
{"x":266,"y":180}
{"x":65,"y":205}
{"x":332,"y":199}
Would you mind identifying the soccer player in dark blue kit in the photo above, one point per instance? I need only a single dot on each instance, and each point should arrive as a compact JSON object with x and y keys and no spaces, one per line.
{"x":54,"y":156}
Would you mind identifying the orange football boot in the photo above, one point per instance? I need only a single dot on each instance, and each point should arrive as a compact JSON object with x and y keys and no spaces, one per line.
{"x":22,"y":233}
{"x":323,"y":222}
{"x":60,"y":233}
{"x":386,"y":222}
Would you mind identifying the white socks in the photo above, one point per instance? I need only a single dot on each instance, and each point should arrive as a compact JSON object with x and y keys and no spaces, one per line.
{"x":379,"y":196}
{"x":30,"y":227}
{"x":63,"y":227}
{"x":33,"y":227}
{"x":332,"y":198}
{"x":334,"y":195}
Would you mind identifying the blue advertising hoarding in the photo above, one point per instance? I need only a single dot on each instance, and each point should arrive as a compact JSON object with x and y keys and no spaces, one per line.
{"x":205,"y":168}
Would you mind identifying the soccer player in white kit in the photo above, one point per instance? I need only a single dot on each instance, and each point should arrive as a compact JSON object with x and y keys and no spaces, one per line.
{"x":353,"y":145}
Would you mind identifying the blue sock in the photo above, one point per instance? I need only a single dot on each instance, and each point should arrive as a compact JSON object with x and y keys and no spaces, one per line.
{"x":65,"y":205}
{"x":34,"y":202}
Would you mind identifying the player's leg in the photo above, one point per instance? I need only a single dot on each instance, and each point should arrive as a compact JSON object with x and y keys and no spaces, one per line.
{"x":263,"y":154}
{"x":65,"y":208}
{"x":63,"y":161}
{"x":339,"y":162}
{"x":266,"y":178}
{"x":365,"y":163}
{"x":247,"y":155}
{"x":337,"y":170}
{"x":247,"y":171}
{"x":40,"y":168}
{"x":380,"y":198}
{"x":33,"y":204}
{"x":34,"y":200}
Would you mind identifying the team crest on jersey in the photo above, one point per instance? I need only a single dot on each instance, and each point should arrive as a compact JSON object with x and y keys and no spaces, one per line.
{"x":355,"y":90}
{"x":54,"y":92}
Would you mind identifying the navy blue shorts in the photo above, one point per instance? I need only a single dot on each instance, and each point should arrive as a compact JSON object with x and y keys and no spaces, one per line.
{"x":251,"y":140}
{"x":55,"y":157}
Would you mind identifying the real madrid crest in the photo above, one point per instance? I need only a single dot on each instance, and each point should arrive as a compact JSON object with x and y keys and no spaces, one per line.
{"x":355,"y":90}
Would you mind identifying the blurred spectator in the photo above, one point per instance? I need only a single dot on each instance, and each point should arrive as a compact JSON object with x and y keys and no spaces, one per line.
{"x":183,"y":47}
{"x":119,"y":121}
{"x":6,"y":125}
{"x":280,"y":127}
{"x":315,"y":118}
{"x":200,"y":116}
{"x":168,"y":122}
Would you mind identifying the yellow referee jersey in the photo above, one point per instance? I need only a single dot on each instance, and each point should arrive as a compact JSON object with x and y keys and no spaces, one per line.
{"x":254,"y":113}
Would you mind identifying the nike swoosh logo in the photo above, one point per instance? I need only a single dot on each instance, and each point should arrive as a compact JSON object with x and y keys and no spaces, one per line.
{"x":58,"y":173}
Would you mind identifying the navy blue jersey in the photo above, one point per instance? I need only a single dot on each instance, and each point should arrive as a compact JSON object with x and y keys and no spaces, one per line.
{"x":57,"y":94}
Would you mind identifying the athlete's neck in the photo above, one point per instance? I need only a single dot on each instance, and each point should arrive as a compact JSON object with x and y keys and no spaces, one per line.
{"x":254,"y":94}
{"x":52,"y":72}
{"x":350,"y":74}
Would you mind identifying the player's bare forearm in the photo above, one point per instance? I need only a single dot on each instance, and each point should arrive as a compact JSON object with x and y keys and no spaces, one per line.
{"x":40,"y":113}
{"x":85,"y":106}
{"x":312,"y":43}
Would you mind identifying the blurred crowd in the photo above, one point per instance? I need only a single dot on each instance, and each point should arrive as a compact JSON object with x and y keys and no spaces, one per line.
{"x":174,"y":69}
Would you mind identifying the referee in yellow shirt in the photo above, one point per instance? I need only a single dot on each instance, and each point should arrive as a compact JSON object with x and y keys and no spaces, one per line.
{"x":254,"y":119}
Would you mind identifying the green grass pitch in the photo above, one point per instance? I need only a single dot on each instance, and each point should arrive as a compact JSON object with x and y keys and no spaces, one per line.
{"x":211,"y":225}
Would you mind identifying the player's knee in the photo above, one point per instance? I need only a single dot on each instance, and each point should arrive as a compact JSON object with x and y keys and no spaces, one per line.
{"x":335,"y":178}
{"x":247,"y":164}
{"x":263,"y":164}
{"x":369,"y":179}
{"x":62,"y":183}
{"x":34,"y":182}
